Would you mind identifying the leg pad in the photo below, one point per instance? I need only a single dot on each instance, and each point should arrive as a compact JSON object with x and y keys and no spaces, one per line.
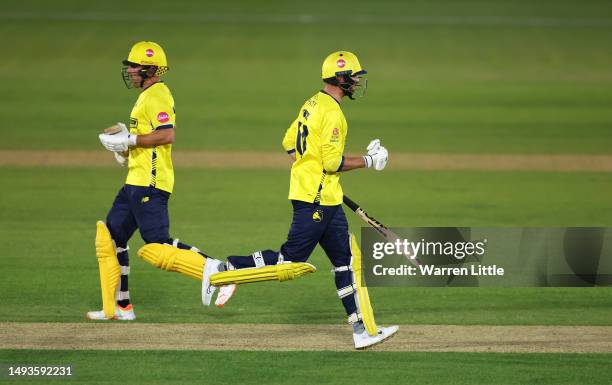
{"x":169,"y":258}
{"x":110,"y":271}
{"x":363,"y":297}
{"x":280,"y":272}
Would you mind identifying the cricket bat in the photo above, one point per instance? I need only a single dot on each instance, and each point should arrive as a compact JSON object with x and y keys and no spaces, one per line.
{"x":112,"y":130}
{"x":387,"y":234}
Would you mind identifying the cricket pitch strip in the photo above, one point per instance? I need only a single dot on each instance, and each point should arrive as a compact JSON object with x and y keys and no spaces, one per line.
{"x":118,"y":335}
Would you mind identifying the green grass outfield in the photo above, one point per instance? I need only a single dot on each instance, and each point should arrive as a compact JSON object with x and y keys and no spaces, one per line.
{"x":165,"y":367}
{"x":53,"y":267}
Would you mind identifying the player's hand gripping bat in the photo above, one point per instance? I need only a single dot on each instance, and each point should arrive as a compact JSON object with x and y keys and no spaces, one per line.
{"x":120,"y":157}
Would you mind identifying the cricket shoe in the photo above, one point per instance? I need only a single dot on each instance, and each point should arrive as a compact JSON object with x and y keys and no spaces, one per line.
{"x":225,"y":293}
{"x":363,"y":340}
{"x":210,"y":267}
{"x":121,"y":314}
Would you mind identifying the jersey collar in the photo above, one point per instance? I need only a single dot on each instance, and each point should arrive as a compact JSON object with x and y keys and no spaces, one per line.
{"x":334,"y":99}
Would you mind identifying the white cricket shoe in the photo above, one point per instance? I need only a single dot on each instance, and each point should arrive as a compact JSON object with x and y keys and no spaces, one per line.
{"x":121,"y":314}
{"x":225,"y":293}
{"x":97,"y":315}
{"x":210,"y":267}
{"x":364,"y":340}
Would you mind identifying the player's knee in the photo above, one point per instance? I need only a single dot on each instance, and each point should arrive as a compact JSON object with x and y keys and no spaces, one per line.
{"x":154,"y":236}
{"x":116,"y":234}
{"x":294,"y":254}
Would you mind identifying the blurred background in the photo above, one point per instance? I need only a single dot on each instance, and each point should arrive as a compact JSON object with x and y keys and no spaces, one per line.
{"x":529,"y":77}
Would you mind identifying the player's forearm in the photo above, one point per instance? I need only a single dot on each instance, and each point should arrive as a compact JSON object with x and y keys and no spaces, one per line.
{"x":156,"y":138}
{"x":352,"y":162}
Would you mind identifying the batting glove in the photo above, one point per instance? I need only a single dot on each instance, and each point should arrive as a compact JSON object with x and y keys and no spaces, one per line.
{"x":373,"y":146}
{"x":122,"y":128}
{"x":377,"y":156}
{"x":119,"y":142}
{"x":122,"y":160}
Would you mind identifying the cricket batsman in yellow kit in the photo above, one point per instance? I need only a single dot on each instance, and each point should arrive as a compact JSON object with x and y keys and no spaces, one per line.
{"x":142,"y":203}
{"x":315,"y":141}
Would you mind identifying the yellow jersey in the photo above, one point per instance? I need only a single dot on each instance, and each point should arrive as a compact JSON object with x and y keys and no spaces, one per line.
{"x":317,"y":138}
{"x":154,"y":110}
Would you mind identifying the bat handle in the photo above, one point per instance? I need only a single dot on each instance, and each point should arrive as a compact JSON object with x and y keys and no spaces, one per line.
{"x":352,"y":205}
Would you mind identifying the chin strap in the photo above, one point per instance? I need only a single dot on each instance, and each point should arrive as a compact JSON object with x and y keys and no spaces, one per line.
{"x":144,"y":75}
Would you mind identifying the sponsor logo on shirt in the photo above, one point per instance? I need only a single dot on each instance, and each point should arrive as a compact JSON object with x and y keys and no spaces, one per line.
{"x":163,"y":117}
{"x":335,"y":135}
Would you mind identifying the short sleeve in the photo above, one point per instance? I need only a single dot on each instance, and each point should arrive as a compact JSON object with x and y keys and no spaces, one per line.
{"x":161,"y":113}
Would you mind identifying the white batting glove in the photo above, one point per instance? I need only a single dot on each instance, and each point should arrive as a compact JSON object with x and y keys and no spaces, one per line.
{"x":373,"y":146}
{"x":377,"y":156}
{"x":380,"y":158}
{"x":122,"y":160}
{"x":122,"y":128}
{"x":120,"y":141}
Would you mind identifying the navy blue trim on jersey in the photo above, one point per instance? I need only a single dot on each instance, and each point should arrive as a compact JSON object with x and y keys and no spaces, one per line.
{"x":341,"y":164}
{"x":153,"y":168}
{"x":291,"y":151}
{"x":164,"y":126}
